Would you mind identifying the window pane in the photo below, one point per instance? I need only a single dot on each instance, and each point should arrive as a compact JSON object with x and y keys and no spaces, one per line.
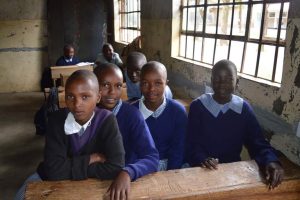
{"x":284,"y":21}
{"x":271,"y":23}
{"x":209,"y":50}
{"x":184,"y":2}
{"x":182,"y":46}
{"x":236,"y":53}
{"x":198,"y":48}
{"x":200,"y":2}
{"x":184,"y":13}
{"x":255,"y":22}
{"x":266,"y":62}
{"x":239,"y":19}
{"x":212,"y":1}
{"x":250,"y":59}
{"x":221,"y":50}
{"x":211,"y":19}
{"x":279,"y":66}
{"x":225,"y":1}
{"x":191,"y":20}
{"x":192,"y":2}
{"x":190,"y":47}
{"x":199,"y":19}
{"x":224,"y":19}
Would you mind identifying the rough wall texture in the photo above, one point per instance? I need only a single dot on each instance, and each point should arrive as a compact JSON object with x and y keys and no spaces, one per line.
{"x":23,"y":44}
{"x":78,"y":22}
{"x":277,"y":109}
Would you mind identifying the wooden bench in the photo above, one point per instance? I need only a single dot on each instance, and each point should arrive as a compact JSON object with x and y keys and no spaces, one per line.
{"x":232,"y":181}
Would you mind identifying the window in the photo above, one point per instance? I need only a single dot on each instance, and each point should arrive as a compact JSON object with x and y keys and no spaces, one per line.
{"x":251,"y":33}
{"x":127,"y":22}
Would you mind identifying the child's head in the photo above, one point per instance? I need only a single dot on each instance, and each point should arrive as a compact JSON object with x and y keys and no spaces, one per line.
{"x":69,"y":51}
{"x":224,"y":80}
{"x":110,"y":80}
{"x":108,"y":51}
{"x":153,"y":81}
{"x":134,"y":64}
{"x":82,"y":95}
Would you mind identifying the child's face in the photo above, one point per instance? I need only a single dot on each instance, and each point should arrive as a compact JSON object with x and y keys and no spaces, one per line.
{"x":69,"y":53}
{"x":153,"y":85}
{"x":81,"y":99}
{"x":134,"y":70}
{"x":108,"y":52}
{"x":223,"y":83}
{"x":110,"y":82}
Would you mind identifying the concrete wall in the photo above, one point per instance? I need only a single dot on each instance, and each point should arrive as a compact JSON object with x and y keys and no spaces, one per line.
{"x":277,"y":108}
{"x":23,"y":44}
{"x":78,"y":22}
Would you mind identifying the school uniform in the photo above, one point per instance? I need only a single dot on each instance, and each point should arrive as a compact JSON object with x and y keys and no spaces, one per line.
{"x":115,"y":59}
{"x":63,"y":61}
{"x":141,"y":156}
{"x":168,"y":127}
{"x":220,"y":131}
{"x":134,"y":91}
{"x":68,"y":147}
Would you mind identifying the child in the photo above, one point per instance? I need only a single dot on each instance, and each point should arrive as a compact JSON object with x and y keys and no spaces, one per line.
{"x":68,"y":58}
{"x":166,"y":118}
{"x":221,"y":123}
{"x":109,"y":56}
{"x":134,"y":64}
{"x":82,"y":141}
{"x":141,"y":155}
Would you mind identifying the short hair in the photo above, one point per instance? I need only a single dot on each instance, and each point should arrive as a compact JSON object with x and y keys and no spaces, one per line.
{"x":83,"y":75}
{"x":154,"y":65}
{"x":106,"y":45}
{"x":132,"y":56}
{"x":102,"y":67}
{"x":224,"y":64}
{"x":68,"y":46}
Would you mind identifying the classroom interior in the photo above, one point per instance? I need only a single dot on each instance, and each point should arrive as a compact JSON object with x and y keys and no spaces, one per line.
{"x":33,"y":33}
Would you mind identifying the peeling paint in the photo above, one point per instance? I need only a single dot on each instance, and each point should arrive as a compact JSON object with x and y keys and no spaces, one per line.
{"x":11,"y":35}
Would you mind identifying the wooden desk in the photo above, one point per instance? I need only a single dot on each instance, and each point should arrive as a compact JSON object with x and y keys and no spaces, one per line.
{"x":233,"y":181}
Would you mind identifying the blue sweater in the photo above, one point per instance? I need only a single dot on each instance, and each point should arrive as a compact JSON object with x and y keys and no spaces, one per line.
{"x":62,"y":62}
{"x":168,"y":131}
{"x":223,"y":136}
{"x":141,"y":156}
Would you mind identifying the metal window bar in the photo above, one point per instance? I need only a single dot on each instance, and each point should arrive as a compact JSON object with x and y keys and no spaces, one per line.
{"x":231,"y":27}
{"x":217,"y":25}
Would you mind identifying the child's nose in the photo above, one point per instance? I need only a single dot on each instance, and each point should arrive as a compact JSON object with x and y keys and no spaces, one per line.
{"x":77,"y":103}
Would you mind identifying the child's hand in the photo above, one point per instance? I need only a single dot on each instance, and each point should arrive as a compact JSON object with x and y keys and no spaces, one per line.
{"x":274,"y":174}
{"x":120,"y":188}
{"x":97,"y":157}
{"x":210,"y":163}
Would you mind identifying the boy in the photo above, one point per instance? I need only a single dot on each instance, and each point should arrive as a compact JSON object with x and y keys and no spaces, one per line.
{"x":141,"y":155}
{"x":134,"y":64}
{"x":166,"y":118}
{"x":109,"y":56}
{"x":82,"y":141}
{"x":68,"y":58}
{"x":221,"y":123}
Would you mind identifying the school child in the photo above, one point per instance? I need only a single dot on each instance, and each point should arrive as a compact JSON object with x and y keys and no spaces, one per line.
{"x":109,"y":56}
{"x":166,"y":118}
{"x":141,"y":155}
{"x":134,"y":64}
{"x":68,"y":58}
{"x":220,"y":123}
{"x":82,"y":141}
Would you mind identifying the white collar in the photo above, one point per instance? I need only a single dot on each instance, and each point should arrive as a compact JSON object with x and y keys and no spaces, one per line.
{"x":235,"y":104}
{"x":72,"y":127}
{"x":147,"y":113}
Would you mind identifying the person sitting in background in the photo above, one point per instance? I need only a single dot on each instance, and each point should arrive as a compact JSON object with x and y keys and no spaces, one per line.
{"x":68,"y":58}
{"x":109,"y":56}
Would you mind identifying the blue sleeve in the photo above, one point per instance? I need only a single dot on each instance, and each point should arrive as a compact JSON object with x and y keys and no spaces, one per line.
{"x":60,"y":62}
{"x":176,"y":150}
{"x":144,"y":147}
{"x":76,"y":60}
{"x":258,"y":147}
{"x":195,"y":154}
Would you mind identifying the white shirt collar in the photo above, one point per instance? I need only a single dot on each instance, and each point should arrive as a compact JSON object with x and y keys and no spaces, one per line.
{"x":236,"y":104}
{"x":72,"y":127}
{"x":147,"y":113}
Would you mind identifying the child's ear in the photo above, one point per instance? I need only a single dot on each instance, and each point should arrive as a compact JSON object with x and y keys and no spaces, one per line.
{"x":167,"y":81}
{"x":237,"y":83}
{"x":99,"y":96}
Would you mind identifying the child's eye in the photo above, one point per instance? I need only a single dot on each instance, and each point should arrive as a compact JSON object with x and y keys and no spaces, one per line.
{"x":158,"y":83}
{"x":85,"y":97}
{"x":70,"y":97}
{"x":119,"y":86}
{"x":144,"y":84}
{"x":106,"y":85}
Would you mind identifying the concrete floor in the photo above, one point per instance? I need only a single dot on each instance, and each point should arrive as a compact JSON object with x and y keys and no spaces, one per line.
{"x":20,"y":149}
